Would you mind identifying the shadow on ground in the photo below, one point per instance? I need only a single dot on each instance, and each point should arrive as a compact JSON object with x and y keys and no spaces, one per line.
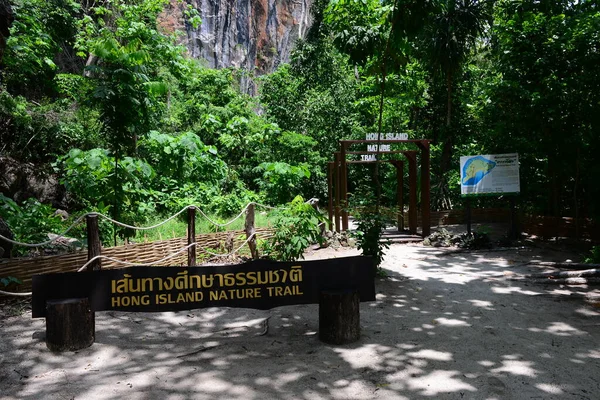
{"x":444,"y":326}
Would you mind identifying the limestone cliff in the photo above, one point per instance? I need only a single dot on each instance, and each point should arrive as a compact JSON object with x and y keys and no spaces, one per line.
{"x":256,"y":35}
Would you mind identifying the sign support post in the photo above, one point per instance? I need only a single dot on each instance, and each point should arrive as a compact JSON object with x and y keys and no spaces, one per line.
{"x":468,"y":215}
{"x":337,"y":180}
{"x":491,"y":175}
{"x":191,"y":232}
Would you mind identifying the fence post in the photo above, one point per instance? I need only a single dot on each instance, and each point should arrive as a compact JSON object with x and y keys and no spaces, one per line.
{"x":71,"y":323}
{"x":249,"y":227}
{"x":191,"y":235}
{"x":93,"y":241}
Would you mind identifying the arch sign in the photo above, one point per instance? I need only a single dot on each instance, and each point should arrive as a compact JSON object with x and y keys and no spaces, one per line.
{"x":259,"y":284}
{"x":383,"y":148}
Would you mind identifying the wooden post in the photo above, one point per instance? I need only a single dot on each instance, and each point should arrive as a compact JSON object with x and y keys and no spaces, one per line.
{"x":70,"y":324}
{"x":250,"y":231}
{"x":191,"y":235}
{"x":93,"y":242}
{"x":468,"y":214}
{"x":400,"y":193}
{"x":425,"y":188}
{"x":330,"y":167}
{"x":514,"y":227}
{"x":344,"y":186}
{"x":412,"y":179}
{"x":339,"y":316}
{"x":337,"y":181}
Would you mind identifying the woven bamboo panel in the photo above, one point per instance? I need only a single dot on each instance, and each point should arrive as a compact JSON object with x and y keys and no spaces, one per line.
{"x":139,"y":253}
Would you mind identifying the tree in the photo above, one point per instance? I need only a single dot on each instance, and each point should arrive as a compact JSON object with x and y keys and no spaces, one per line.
{"x":447,"y":41}
{"x":541,"y":98}
{"x":38,"y":33}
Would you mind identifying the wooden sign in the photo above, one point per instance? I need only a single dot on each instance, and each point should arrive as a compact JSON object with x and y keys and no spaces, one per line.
{"x":259,"y":284}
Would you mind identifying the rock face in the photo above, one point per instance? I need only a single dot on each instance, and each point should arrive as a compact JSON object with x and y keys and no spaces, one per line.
{"x":254,"y":35}
{"x":21,"y":181}
{"x":5,"y":247}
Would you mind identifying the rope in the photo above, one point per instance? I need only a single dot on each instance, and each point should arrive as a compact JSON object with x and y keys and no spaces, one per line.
{"x":14,"y":293}
{"x":269,"y":207}
{"x":139,"y":228}
{"x":227,"y":223}
{"x":165,"y":258}
{"x":142,"y":228}
{"x":77,"y":221}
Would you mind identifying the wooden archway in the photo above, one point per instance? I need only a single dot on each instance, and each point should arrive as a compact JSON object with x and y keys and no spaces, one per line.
{"x":338,"y":182}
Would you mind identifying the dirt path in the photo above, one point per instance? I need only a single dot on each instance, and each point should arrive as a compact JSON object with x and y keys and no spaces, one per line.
{"x":444,"y":326}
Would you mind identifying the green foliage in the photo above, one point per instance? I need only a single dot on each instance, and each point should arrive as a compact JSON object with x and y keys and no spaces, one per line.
{"x":37,"y":132}
{"x":179,"y":133}
{"x":594,"y":257}
{"x":540,"y":99}
{"x":39,"y":30}
{"x":295,"y":228}
{"x":10,"y":280}
{"x":359,"y":27}
{"x":88,"y":174}
{"x":369,"y":230}
{"x":122,"y":93}
{"x":314,"y":96}
{"x":182,"y":158}
{"x":281,"y":180}
{"x":31,"y":221}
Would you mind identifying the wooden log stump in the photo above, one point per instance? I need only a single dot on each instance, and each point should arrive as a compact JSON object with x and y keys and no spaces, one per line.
{"x":339,"y":316}
{"x":70,"y":324}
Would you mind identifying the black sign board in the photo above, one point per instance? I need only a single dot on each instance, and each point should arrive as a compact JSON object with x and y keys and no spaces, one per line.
{"x":257,"y":284}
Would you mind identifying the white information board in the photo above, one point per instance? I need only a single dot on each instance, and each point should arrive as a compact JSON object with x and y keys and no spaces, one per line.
{"x":489,"y":174}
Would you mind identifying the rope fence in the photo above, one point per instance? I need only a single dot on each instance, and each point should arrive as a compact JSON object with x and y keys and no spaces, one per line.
{"x":145,"y":254}
{"x":139,"y":228}
{"x":95,"y":258}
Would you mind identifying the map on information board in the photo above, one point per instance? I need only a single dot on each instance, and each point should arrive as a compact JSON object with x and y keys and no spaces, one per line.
{"x":489,"y":174}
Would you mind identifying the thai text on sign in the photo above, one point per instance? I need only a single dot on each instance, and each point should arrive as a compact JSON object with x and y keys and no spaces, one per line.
{"x":258,"y":284}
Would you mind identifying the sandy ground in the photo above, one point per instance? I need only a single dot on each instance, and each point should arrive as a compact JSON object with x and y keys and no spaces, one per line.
{"x":445,"y":325}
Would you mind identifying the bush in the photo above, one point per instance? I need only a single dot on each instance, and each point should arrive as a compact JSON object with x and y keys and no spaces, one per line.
{"x":370,"y":226}
{"x":31,"y":221}
{"x":595,"y":256}
{"x":280,"y":180}
{"x":296,"y":227}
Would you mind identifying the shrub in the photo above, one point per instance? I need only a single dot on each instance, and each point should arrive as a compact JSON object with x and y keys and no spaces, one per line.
{"x":370,"y":226}
{"x":296,"y":227}
{"x":594,"y":257}
{"x":279,"y":180}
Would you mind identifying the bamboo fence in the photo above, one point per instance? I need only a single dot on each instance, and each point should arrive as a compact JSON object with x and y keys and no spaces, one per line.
{"x":139,"y":253}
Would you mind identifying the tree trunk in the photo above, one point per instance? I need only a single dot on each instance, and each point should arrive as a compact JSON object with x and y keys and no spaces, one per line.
{"x":70,"y":324}
{"x":339,"y":316}
{"x":594,"y":272}
{"x":449,"y":98}
{"x":566,"y":281}
{"x":565,"y":265}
